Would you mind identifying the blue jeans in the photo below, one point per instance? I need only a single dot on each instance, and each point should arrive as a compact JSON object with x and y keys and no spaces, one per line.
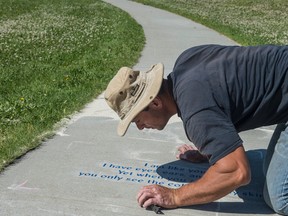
{"x":276,"y":171}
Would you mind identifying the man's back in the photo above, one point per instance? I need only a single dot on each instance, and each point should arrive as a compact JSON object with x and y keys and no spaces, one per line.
{"x":251,"y":78}
{"x":222,"y":90}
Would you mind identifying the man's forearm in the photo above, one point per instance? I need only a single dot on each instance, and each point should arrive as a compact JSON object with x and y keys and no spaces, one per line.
{"x":220,"y":179}
{"x":227,"y":174}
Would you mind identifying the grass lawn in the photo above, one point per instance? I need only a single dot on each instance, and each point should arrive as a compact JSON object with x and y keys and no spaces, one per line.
{"x":56,"y":56}
{"x":249,"y":22}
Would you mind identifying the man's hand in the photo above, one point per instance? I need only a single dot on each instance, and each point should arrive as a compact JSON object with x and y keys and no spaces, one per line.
{"x":190,"y":153}
{"x":157,"y":195}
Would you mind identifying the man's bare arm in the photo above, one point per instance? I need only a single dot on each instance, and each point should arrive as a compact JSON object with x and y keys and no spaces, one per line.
{"x":224,"y":176}
{"x":220,"y":179}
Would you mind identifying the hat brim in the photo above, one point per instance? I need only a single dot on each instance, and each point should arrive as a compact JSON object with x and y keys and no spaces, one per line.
{"x":154,"y":82}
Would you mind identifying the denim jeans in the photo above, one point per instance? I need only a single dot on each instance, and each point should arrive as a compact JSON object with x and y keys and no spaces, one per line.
{"x":276,"y":171}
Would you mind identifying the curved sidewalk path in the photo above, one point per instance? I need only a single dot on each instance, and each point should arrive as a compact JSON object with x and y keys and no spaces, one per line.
{"x":167,"y":34}
{"x":86,"y":169}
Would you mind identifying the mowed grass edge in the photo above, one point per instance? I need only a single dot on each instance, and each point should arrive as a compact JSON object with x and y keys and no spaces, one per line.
{"x":246,"y":22}
{"x":56,"y":56}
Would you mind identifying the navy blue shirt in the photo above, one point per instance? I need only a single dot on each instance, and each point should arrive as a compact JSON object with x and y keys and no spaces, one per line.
{"x":222,"y":90}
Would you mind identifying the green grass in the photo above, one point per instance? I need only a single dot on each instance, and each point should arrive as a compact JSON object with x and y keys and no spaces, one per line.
{"x":249,"y":22}
{"x":55,"y":56}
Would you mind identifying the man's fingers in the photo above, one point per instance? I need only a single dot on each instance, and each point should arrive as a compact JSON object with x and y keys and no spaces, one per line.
{"x":185,"y":147}
{"x":145,"y":194}
{"x":139,"y":195}
{"x":183,"y":150}
{"x":144,"y":198}
{"x":144,"y":189}
{"x":149,"y":202}
{"x":157,"y":195}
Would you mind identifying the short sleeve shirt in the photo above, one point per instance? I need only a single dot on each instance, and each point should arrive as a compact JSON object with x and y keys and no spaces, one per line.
{"x":222,"y":90}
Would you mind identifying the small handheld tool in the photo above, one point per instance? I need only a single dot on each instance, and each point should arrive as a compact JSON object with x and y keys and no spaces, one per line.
{"x":155,"y":208}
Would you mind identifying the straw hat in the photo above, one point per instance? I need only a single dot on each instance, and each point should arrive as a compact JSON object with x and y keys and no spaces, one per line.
{"x":129,"y":92}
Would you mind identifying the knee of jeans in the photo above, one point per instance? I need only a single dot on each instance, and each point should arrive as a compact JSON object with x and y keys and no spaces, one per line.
{"x":280,"y":207}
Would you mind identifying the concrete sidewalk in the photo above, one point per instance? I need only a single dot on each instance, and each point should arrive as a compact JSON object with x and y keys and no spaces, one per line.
{"x":86,"y":169}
